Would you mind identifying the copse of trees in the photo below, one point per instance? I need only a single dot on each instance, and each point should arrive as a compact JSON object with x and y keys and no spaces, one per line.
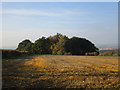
{"x":59,"y":45}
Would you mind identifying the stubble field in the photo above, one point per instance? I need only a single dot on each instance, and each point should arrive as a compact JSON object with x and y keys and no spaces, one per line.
{"x":56,"y":71}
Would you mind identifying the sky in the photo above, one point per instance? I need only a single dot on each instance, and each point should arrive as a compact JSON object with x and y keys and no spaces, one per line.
{"x":95,"y":21}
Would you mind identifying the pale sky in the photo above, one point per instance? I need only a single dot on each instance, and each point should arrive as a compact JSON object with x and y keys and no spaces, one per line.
{"x":97,"y":22}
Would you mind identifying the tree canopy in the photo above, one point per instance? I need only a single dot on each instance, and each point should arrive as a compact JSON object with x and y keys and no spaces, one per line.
{"x":42,"y":46}
{"x":25,"y":45}
{"x":60,"y":45}
{"x":79,"y":46}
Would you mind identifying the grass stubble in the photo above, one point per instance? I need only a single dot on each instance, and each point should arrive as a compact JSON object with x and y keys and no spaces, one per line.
{"x":54,"y":71}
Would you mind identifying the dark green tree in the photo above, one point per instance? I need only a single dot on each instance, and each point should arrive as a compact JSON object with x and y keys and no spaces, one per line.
{"x":42,"y":46}
{"x":79,"y":46}
{"x":25,"y":45}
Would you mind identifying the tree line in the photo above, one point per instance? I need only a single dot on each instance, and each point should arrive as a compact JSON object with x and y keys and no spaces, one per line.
{"x":59,"y":45}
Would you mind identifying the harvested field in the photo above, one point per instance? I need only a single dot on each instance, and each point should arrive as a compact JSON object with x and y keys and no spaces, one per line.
{"x":55,"y":71}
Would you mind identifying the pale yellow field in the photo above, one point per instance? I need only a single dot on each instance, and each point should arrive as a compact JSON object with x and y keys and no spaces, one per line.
{"x":50,"y":71}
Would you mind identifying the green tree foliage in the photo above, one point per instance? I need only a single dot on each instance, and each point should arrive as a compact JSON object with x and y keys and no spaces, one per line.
{"x":25,"y":45}
{"x":54,"y":39}
{"x":60,"y":44}
{"x":79,"y":46}
{"x":42,"y":46}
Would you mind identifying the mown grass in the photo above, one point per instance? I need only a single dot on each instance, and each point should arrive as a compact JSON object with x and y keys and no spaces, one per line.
{"x":56,"y":71}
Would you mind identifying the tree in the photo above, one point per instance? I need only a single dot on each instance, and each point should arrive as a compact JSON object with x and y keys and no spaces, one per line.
{"x":42,"y":46}
{"x":59,"y":47}
{"x":60,"y":44}
{"x":79,"y":46}
{"x":25,"y":45}
{"x":54,"y":39}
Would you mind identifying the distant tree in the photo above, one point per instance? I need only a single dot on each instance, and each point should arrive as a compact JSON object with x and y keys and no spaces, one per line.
{"x":59,"y":47}
{"x":54,"y":39}
{"x":109,"y":53}
{"x":25,"y":45}
{"x":42,"y":46}
{"x":79,"y":46}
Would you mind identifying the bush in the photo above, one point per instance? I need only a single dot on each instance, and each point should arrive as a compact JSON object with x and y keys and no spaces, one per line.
{"x":68,"y":53}
{"x":109,"y":53}
{"x":91,"y":53}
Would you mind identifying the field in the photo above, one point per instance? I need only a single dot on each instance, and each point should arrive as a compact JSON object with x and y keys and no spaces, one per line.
{"x":11,"y":53}
{"x":51,"y":71}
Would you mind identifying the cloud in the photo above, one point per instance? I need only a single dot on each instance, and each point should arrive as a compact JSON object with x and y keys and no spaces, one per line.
{"x":37,"y":12}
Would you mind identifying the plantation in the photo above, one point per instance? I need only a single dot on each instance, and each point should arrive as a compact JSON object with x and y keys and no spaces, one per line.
{"x":57,"y":71}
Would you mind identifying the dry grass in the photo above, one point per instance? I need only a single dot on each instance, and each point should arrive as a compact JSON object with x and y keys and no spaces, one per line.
{"x":49,"y":71}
